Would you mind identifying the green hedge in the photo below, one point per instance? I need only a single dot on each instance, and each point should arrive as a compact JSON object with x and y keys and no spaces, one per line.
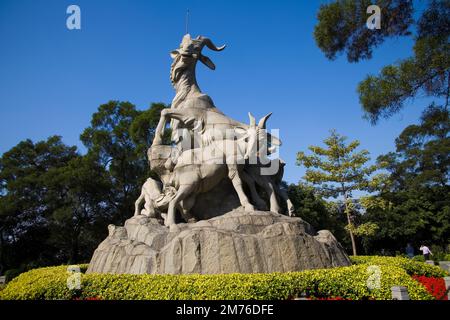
{"x":435,"y":257}
{"x":346,"y":282}
{"x":412,"y":267}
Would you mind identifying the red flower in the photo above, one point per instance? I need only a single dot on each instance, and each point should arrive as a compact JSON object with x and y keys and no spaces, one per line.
{"x":435,"y":286}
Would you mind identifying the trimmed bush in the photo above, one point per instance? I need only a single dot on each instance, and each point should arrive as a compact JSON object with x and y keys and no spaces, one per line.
{"x":42,"y":283}
{"x":410,"y":266}
{"x":346,"y":282}
{"x":419,"y":258}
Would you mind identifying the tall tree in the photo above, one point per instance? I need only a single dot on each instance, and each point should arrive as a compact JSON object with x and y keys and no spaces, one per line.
{"x":412,"y":204}
{"x":342,"y":27}
{"x":24,"y":209}
{"x":118,"y":138}
{"x":55,"y":204}
{"x":143,"y":127}
{"x":337,"y":171}
{"x":80,"y":214}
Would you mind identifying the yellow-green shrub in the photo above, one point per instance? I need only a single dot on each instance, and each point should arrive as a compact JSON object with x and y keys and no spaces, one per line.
{"x":42,"y":283}
{"x":347,"y":282}
{"x":412,"y":267}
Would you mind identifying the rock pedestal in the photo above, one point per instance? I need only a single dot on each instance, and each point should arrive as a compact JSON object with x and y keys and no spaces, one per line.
{"x":244,"y":242}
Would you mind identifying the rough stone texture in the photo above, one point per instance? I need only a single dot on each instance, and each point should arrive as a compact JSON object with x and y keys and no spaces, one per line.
{"x":218,"y":201}
{"x":400,"y":293}
{"x":447,"y":286}
{"x":238,"y":241}
{"x":445,"y":265}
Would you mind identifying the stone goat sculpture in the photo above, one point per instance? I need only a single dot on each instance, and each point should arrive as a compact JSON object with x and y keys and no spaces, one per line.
{"x":154,"y":197}
{"x":183,"y":78}
{"x":209,"y":125}
{"x":208,"y":146}
{"x":182,"y":72}
{"x":200,"y":169}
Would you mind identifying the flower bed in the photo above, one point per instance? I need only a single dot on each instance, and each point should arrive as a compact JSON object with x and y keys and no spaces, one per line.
{"x":412,"y":267}
{"x":435,"y":286}
{"x":348,"y":283}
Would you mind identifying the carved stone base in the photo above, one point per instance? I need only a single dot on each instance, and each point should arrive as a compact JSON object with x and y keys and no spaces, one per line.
{"x":235,"y":242}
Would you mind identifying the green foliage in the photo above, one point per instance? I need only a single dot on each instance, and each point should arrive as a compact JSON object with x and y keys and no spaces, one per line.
{"x":108,"y":140}
{"x":426,"y":73}
{"x":52,"y":204}
{"x":419,"y":258}
{"x":77,"y":191}
{"x":26,"y":203}
{"x":385,"y":94}
{"x":338,"y":170}
{"x":411,"y":266}
{"x":439,"y":254}
{"x":412,"y":203}
{"x":142,"y":129}
{"x":118,"y":139}
{"x":311,"y":207}
{"x":409,"y":202}
{"x":367,"y":229}
{"x":44,"y":283}
{"x":422,"y":157}
{"x":347,"y":282}
{"x":55,"y":204}
{"x":342,"y":26}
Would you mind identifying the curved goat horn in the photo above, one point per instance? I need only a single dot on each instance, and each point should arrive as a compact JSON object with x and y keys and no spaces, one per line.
{"x":262,"y":122}
{"x":210,"y":44}
{"x":252,"y":120}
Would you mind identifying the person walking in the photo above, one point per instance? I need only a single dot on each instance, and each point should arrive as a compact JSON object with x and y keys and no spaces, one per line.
{"x":426,"y":252}
{"x":409,"y":251}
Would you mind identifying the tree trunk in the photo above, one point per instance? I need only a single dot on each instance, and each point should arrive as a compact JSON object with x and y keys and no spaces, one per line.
{"x":349,"y":221}
{"x":352,"y":237}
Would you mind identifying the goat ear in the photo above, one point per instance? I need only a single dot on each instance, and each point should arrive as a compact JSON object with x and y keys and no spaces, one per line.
{"x":207,"y":62}
{"x":262,"y":122}
{"x":174,"y":54}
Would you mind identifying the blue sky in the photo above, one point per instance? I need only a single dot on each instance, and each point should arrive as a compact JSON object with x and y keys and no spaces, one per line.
{"x":52,"y":79}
